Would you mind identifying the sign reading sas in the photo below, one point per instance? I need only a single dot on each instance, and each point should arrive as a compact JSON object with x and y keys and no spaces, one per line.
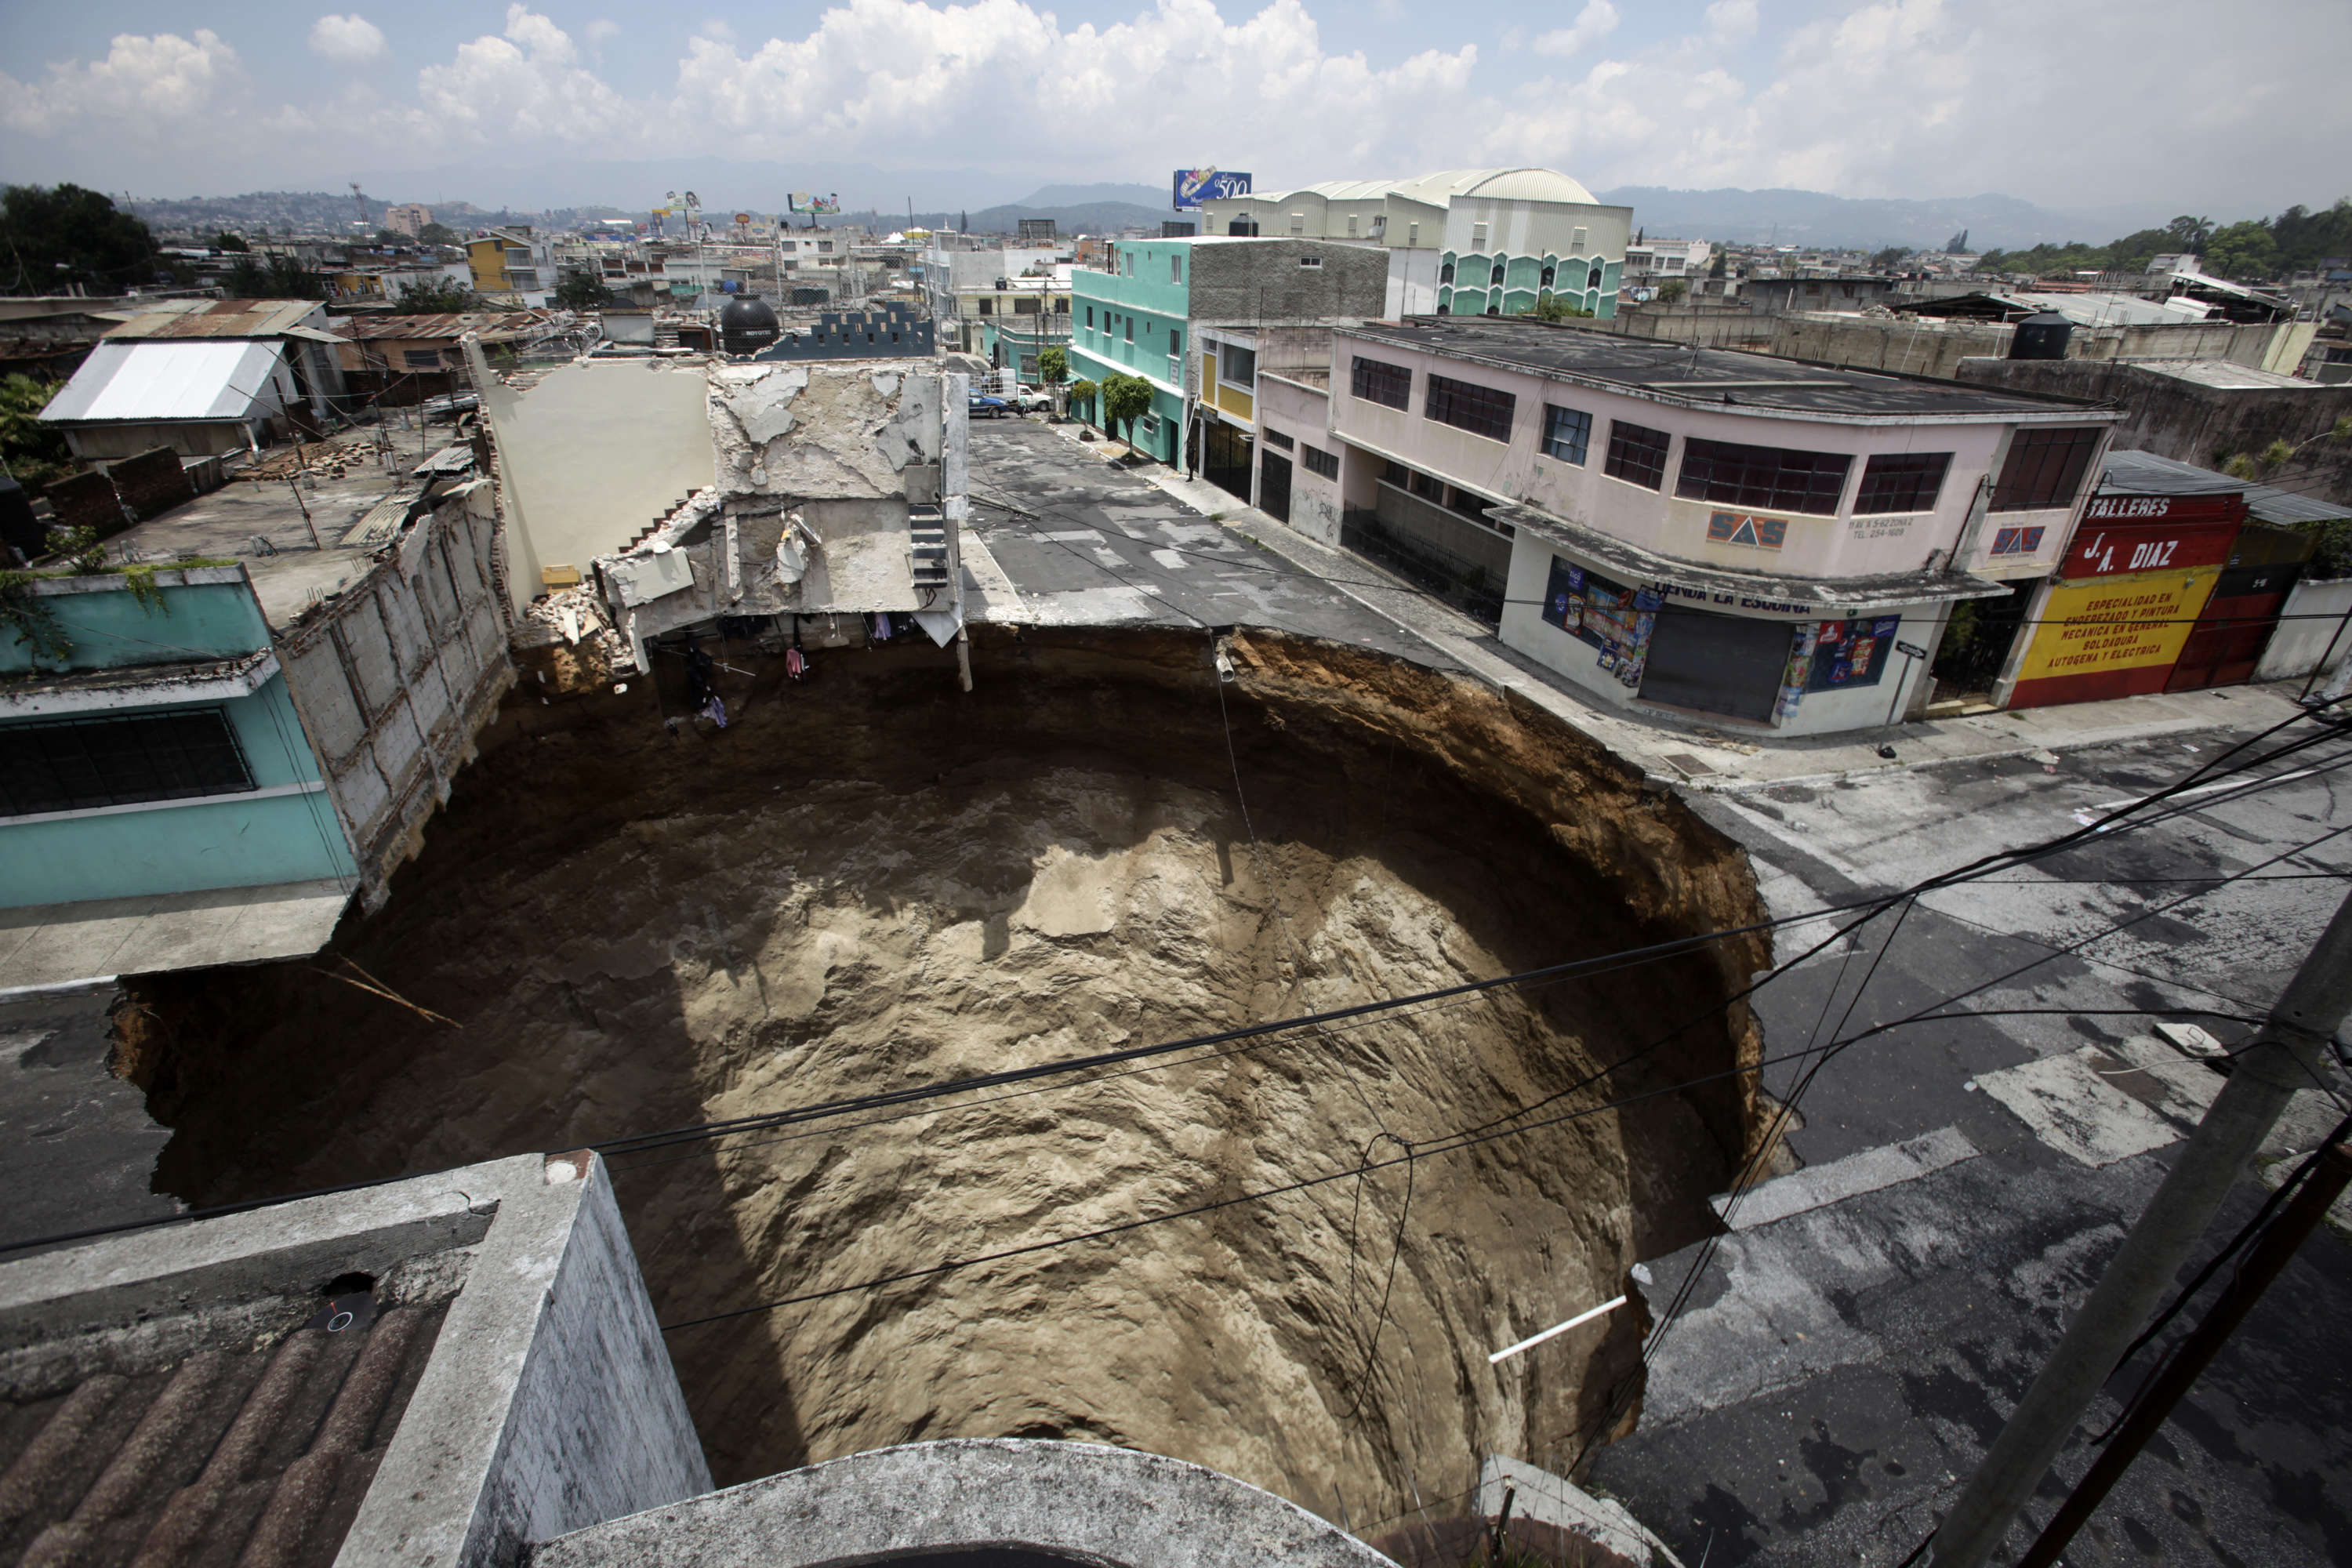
{"x":1194,"y":186}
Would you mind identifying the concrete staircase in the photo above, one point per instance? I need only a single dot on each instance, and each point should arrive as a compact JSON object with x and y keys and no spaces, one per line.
{"x":654,"y":526}
{"x":927,"y":532}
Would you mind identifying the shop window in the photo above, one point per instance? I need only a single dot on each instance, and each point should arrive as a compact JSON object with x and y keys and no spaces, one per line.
{"x":1567,"y":433}
{"x":2044,"y":470}
{"x":77,"y":764}
{"x":1901,"y":481}
{"x":1767,"y":476}
{"x":1375,"y":381}
{"x":1319,"y":461}
{"x":1467,"y":406}
{"x":1637,"y":454}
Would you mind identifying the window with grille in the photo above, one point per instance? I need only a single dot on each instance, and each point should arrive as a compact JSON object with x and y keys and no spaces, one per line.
{"x":74,"y":764}
{"x":2044,"y":469}
{"x":1901,"y":481}
{"x":1568,"y":432}
{"x":1395,"y":473}
{"x":1319,"y":461}
{"x":1637,"y":454}
{"x":421,"y":359}
{"x":1467,"y":406}
{"x":1429,"y":487}
{"x":1276,"y":439}
{"x":1376,"y":380}
{"x":1767,"y":476}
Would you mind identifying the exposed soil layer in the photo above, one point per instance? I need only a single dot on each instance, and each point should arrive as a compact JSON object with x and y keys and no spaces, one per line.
{"x":873,"y":879}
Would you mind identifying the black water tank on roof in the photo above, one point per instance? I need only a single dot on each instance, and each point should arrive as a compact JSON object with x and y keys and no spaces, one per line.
{"x":2042,"y":335}
{"x":747,"y":324}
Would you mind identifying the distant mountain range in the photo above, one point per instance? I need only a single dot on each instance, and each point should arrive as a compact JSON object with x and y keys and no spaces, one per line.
{"x":1812,"y":217}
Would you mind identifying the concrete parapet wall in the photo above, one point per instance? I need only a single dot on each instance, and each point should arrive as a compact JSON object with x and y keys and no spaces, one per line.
{"x":2300,"y":646}
{"x":1080,"y":1501}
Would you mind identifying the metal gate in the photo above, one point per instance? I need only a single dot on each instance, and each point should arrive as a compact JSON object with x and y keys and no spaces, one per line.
{"x":1225,"y":458}
{"x":1274,"y":485}
{"x":1716,"y":664}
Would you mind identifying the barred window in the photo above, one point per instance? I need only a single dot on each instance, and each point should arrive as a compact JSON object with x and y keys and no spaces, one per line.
{"x":2044,"y":469}
{"x":1276,"y":439}
{"x":1901,"y":481}
{"x":1319,"y":461}
{"x":77,"y":763}
{"x":1637,"y":454}
{"x":1429,"y":487}
{"x":1395,"y":473}
{"x":1568,"y":432}
{"x":1767,"y":476}
{"x":1376,"y":380}
{"x":1467,"y":406}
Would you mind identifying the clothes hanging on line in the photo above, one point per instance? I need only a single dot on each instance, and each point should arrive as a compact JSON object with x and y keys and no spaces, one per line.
{"x":715,"y":710}
{"x":795,"y":663}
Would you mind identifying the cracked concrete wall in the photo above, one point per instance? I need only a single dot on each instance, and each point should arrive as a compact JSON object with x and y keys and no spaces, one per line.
{"x":394,"y":681}
{"x":842,"y":455}
{"x":590,"y":456}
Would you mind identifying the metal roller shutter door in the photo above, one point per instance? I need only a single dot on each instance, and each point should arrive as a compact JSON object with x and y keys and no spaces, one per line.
{"x":1729,"y":664}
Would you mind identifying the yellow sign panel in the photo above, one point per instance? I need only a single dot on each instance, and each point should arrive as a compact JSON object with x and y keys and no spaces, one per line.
{"x":2113,"y":624}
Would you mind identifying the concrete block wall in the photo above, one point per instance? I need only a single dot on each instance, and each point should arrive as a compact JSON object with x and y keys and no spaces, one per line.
{"x":86,"y":501}
{"x":394,"y":679}
{"x":151,"y":483}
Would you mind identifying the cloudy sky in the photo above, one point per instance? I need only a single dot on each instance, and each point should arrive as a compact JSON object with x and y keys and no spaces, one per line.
{"x":2072,"y":103}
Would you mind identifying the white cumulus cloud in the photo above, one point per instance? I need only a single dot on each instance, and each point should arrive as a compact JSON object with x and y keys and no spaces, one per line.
{"x":1594,"y":23}
{"x":145,"y":86}
{"x":352,"y":40}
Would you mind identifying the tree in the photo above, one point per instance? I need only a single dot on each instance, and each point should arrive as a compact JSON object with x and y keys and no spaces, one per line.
{"x":439,"y":296}
{"x":1720,"y":265}
{"x":440,"y":234}
{"x":1671,"y":292}
{"x":1082,"y":391}
{"x":226,"y":241}
{"x":36,"y":452}
{"x":2189,"y":233}
{"x":580,"y":289}
{"x":276,"y":277}
{"x":59,"y":235}
{"x":1054,"y":365}
{"x":1889,"y":259}
{"x":1551,"y":307}
{"x":1124,"y":400}
{"x":387,"y":237}
{"x":2242,"y":252}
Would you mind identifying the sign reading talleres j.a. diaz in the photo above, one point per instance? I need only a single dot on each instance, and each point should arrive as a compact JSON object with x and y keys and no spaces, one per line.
{"x":2152,"y":534}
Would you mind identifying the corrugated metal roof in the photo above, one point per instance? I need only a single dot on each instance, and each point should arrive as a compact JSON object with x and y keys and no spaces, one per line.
{"x":169,"y":381}
{"x":224,"y":319}
{"x":443,"y":325}
{"x":2148,"y":474}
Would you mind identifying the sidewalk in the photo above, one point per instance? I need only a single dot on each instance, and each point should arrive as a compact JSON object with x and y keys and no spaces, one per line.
{"x":1675,"y":751}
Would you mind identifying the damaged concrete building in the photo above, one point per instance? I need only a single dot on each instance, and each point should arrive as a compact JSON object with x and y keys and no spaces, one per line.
{"x":760,"y":494}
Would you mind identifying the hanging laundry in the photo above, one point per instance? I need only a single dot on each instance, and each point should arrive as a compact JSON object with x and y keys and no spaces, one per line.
{"x":795,"y":663}
{"x":716,"y":712}
{"x":882,"y":626}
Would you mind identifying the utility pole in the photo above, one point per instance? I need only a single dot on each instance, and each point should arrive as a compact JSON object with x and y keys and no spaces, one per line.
{"x":2269,"y":1257}
{"x":2290,"y":1053}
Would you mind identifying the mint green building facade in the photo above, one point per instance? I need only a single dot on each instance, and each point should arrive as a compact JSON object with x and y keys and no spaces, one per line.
{"x":162,"y":752}
{"x":1135,"y":321}
{"x":1498,"y":283}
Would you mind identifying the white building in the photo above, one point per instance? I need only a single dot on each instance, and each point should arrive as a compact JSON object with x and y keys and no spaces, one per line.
{"x":1756,"y":540}
{"x":1650,"y":262}
{"x":1464,"y":242}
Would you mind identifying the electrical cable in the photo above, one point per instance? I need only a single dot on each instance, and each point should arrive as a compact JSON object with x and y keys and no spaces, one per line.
{"x":1454,"y":1141}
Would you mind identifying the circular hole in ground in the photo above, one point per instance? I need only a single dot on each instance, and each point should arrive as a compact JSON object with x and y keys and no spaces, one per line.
{"x":872,"y":881}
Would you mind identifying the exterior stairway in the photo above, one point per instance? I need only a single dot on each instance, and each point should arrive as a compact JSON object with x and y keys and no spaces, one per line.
{"x":927,"y":532}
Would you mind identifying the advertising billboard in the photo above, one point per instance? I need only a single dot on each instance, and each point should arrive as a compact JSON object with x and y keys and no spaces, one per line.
{"x":802,"y":202}
{"x":2111,"y":636}
{"x":1194,"y":186}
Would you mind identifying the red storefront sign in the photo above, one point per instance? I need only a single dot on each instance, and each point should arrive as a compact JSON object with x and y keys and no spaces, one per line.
{"x":2121,"y":534}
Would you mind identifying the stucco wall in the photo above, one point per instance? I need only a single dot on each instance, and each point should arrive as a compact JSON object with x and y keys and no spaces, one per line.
{"x":590,"y":456}
{"x":1245,"y":280}
{"x":1302,"y":412}
{"x":394,"y":679}
{"x":2299,"y":646}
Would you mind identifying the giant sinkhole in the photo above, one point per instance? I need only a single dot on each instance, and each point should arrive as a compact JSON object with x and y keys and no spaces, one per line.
{"x":873,"y":880}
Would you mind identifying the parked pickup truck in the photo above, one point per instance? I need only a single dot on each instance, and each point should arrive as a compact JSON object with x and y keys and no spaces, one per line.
{"x":985,"y":406}
{"x":1030,"y":400}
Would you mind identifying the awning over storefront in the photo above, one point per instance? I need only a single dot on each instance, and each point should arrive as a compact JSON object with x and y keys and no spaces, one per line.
{"x":1745,"y":593}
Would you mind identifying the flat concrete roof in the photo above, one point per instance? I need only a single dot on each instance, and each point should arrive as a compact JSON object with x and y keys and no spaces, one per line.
{"x":55,"y":947}
{"x":1715,"y":378}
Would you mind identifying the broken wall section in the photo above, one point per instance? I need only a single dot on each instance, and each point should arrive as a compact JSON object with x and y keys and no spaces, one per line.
{"x":395,"y":678}
{"x":839,"y":489}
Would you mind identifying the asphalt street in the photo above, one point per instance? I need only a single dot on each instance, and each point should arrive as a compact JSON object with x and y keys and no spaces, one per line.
{"x":1060,"y":537}
{"x":1854,"y":1342}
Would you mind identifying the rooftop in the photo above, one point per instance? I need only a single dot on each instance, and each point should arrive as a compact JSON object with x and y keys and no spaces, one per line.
{"x":170,"y":380}
{"x":224,"y":319}
{"x":2147,"y":474}
{"x":1674,"y":372}
{"x":491,"y":326}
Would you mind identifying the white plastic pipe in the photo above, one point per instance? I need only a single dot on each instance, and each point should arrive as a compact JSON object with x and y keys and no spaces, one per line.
{"x":1533,"y":1340}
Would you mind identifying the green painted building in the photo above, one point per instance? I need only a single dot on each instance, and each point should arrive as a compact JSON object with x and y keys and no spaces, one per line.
{"x":1135,"y":321}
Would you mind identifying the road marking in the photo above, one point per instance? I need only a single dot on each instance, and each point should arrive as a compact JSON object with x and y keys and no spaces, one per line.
{"x":2207,"y":789}
{"x":1170,"y":559}
{"x":2076,"y":1110}
{"x":1077,"y":536}
{"x":1871,"y":1171}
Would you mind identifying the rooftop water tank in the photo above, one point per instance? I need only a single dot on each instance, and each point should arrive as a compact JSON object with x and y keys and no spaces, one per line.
{"x":747,"y":324}
{"x":2042,"y":335}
